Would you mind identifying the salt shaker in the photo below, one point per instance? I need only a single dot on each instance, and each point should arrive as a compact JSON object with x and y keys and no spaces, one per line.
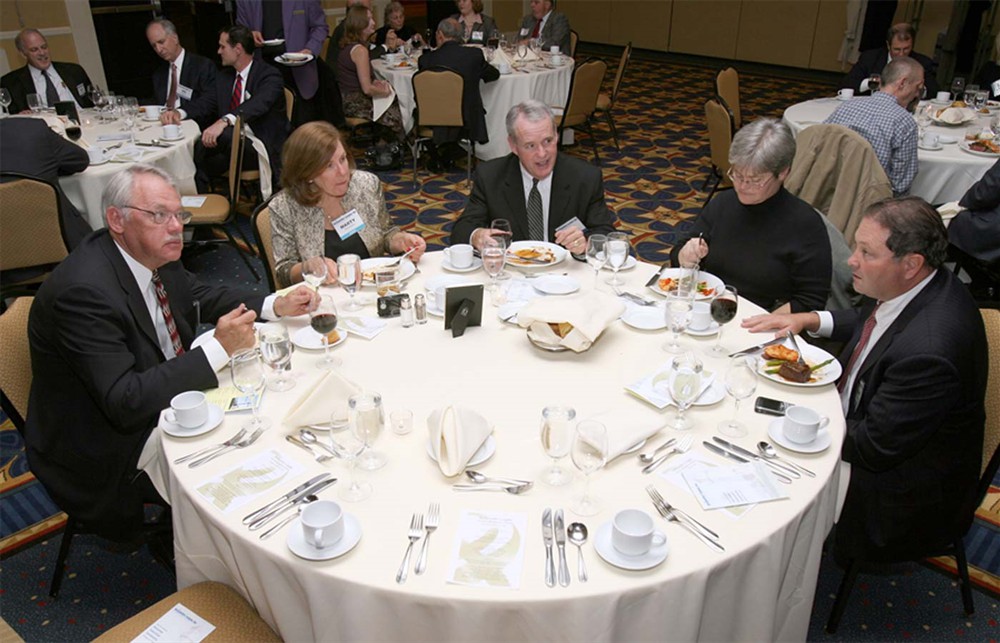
{"x":406,"y":311}
{"x":420,"y":309}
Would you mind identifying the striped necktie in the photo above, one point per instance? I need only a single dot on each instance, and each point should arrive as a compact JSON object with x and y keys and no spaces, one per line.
{"x":237,"y":98}
{"x":168,"y":317}
{"x":866,"y":334}
{"x":51,"y":93}
{"x":172,"y":95}
{"x":536,"y":228}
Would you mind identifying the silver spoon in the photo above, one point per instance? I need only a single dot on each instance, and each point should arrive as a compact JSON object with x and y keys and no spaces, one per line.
{"x":480,"y":478}
{"x":515,"y":490}
{"x":646,"y":458}
{"x":768,"y":452}
{"x":577,"y":534}
{"x":305,"y":501}
{"x":310,"y":438}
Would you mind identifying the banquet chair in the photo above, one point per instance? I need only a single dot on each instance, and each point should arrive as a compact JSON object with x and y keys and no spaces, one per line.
{"x":218,"y":212}
{"x":727,"y":87}
{"x":438,"y":96}
{"x":289,"y":104}
{"x":233,"y":617}
{"x":584,"y":87}
{"x":15,"y":367}
{"x":719,"y":120}
{"x":988,"y":469}
{"x":261,"y":224}
{"x":574,"y":40}
{"x":31,"y":227}
{"x":606,"y":102}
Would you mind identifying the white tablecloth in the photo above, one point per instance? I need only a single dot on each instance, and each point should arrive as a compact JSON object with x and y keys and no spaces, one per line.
{"x":551,"y":86}
{"x":761,"y":589}
{"x":84,"y":189}
{"x":944,"y":175}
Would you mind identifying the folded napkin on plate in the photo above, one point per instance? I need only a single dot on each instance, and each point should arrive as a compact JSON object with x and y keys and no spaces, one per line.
{"x":380,"y":105}
{"x":655,"y":387}
{"x":948,"y":211}
{"x":956,"y":115}
{"x":589,"y":314}
{"x":626,"y":428}
{"x":327,"y":396}
{"x":499,"y":58}
{"x":529,"y":56}
{"x":455,"y":434}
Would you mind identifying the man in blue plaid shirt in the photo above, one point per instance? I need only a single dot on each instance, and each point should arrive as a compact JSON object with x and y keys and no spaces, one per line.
{"x":885,"y":121}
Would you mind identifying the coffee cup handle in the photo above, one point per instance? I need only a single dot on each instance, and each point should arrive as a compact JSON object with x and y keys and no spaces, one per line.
{"x":447,"y":254}
{"x":317,"y":538}
{"x":823,"y":421}
{"x":170,"y":416}
{"x":659,"y":539}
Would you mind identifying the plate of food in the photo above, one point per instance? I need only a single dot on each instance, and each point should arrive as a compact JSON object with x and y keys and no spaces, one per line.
{"x":953,"y":115}
{"x":780,"y":363}
{"x":535,"y":255}
{"x":368,"y":266}
{"x":293,"y":59}
{"x":308,"y":339}
{"x":708,"y":284}
{"x":982,"y":147}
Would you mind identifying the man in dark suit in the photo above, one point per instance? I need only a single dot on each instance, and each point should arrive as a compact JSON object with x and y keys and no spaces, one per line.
{"x":913,"y":387}
{"x":976,"y":229}
{"x":53,"y":82}
{"x":546,"y":23}
{"x":244,"y":88}
{"x":472,"y":66}
{"x":28,"y":146}
{"x":185,"y":84}
{"x":107,"y":355}
{"x":898,"y":44}
{"x":536,"y":188}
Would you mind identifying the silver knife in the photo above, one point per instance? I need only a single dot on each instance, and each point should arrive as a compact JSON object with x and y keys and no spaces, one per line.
{"x":714,"y":448}
{"x":271,"y":506}
{"x":561,"y":544}
{"x":656,"y":276}
{"x":291,"y":502}
{"x":301,"y":502}
{"x":783,"y":470}
{"x":550,"y":568}
{"x":758,"y":347}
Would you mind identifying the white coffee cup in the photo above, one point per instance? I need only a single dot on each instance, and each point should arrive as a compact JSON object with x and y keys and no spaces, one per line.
{"x":322,"y":523}
{"x":189,"y":409}
{"x":701,"y":315}
{"x":504,"y":68}
{"x":459,"y":255}
{"x":97,"y":154}
{"x":632,"y":532}
{"x":554,"y":49}
{"x":171,"y":131}
{"x":802,"y":424}
{"x":392,"y":58}
{"x":557,"y":58}
{"x":845,"y":94}
{"x":931,"y":139}
{"x":153,"y":112}
{"x":943,"y":97}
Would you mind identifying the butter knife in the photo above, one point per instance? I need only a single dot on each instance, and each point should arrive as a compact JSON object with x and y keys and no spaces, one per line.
{"x":271,"y":506}
{"x":778,"y":468}
{"x":550,"y":569}
{"x":758,"y":347}
{"x":714,"y":448}
{"x":656,"y":275}
{"x":561,"y":544}
{"x":315,"y":488}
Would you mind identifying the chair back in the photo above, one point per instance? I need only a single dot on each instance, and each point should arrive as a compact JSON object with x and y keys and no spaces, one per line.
{"x":720,"y":135}
{"x":574,"y":40}
{"x":583,"y":90}
{"x":30,"y":223}
{"x":438,"y":96}
{"x":236,"y":162}
{"x":620,"y":74}
{"x":991,"y":434}
{"x":261,"y":223}
{"x":289,"y":104}
{"x":15,"y":367}
{"x":727,"y":87}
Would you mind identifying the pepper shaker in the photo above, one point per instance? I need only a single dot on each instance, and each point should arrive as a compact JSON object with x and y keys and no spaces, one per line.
{"x":420,"y":309}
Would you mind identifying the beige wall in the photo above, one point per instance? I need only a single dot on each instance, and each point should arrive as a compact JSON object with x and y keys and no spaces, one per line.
{"x":67,"y":26}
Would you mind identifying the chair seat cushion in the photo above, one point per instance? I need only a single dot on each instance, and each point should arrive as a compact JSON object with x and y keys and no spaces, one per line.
{"x":603,"y":102}
{"x":214,"y":210}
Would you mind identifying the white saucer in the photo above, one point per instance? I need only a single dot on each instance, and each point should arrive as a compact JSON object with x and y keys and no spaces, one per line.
{"x":711,"y":331}
{"x":476,"y":264}
{"x":947,"y":140}
{"x":940,"y":102}
{"x":555,"y":284}
{"x":821,"y":443}
{"x":644,"y":317}
{"x":485,"y":452}
{"x":215,"y":416}
{"x":176,"y":138}
{"x":308,"y":339}
{"x":433,"y":310}
{"x":630,"y":263}
{"x":150,"y":120}
{"x":607,"y":551}
{"x":930,"y":148}
{"x":297,"y":540}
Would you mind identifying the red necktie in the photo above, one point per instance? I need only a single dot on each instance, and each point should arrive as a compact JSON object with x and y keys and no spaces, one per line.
{"x":168,"y":317}
{"x":866,"y":334}
{"x":172,"y":95}
{"x":538,"y":27}
{"x":237,"y":98}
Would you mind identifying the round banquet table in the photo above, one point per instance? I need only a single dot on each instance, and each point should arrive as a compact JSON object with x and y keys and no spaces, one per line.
{"x":945,"y":175}
{"x":761,"y":588}
{"x":540,"y":81}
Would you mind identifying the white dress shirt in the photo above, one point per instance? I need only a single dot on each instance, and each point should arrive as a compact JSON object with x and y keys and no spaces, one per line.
{"x":545,"y":189}
{"x":41,"y":88}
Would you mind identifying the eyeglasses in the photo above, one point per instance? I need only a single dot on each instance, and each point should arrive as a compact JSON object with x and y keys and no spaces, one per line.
{"x":159,"y":218}
{"x":749,"y":181}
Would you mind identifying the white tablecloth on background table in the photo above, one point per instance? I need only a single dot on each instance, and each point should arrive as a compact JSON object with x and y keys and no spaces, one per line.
{"x":551,"y":86}
{"x":944,"y":175}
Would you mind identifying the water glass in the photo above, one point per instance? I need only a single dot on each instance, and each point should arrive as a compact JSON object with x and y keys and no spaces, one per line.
{"x":367,"y":420}
{"x":617,"y":250}
{"x":678,"y":310}
{"x":249,"y":377}
{"x":349,"y":447}
{"x":494,"y":256}
{"x":276,"y":351}
{"x":597,"y":254}
{"x":314,"y":272}
{"x":350,"y":275}
{"x":35,"y":103}
{"x":589,"y":453}
{"x":557,"y":436}
{"x":741,"y":382}
{"x":5,"y":99}
{"x":685,"y":386}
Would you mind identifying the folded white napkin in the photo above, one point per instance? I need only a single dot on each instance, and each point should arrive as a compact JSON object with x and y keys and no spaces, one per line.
{"x":318,"y":404}
{"x":627,"y":427}
{"x":655,"y":387}
{"x":589,"y":313}
{"x":529,"y":56}
{"x":499,"y":58}
{"x":455,"y":434}
{"x":955,"y":115}
{"x":948,"y":211}
{"x":380,"y":105}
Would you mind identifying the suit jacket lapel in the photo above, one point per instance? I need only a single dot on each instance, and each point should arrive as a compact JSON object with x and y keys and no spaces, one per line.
{"x":136,"y":303}
{"x":513,"y":190}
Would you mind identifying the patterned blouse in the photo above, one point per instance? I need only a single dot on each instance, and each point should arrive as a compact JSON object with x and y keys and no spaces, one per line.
{"x":299,"y":231}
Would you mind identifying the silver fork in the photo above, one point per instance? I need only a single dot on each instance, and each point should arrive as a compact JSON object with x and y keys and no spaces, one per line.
{"x":636,"y":299}
{"x":228,"y":443}
{"x":682,"y":446}
{"x":433,"y":515}
{"x":416,"y":531}
{"x":669,"y":515}
{"x":683,"y":515}
{"x":320,"y":457}
{"x":245,"y":442}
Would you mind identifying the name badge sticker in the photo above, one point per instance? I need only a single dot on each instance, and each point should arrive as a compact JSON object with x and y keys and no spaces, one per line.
{"x":81,"y":89}
{"x":524,"y":32}
{"x":996,"y":88}
{"x":184,"y":92}
{"x":348,"y":224}
{"x":477,"y":35}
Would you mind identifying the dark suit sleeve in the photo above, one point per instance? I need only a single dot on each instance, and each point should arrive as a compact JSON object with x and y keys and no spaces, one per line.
{"x":985,"y":193}
{"x":70,"y":158}
{"x":488,"y":72}
{"x":14,"y":83}
{"x":267,"y":91}
{"x":475,"y":215}
{"x":558,"y":27}
{"x":864,"y":68}
{"x":597,"y":216}
{"x":201,"y":108}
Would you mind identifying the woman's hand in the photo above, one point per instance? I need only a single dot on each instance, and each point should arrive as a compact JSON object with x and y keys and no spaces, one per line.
{"x":381,"y":88}
{"x":693,"y":252}
{"x":403,"y":241}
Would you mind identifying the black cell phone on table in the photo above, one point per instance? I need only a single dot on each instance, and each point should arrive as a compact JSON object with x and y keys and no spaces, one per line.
{"x":769,"y":406}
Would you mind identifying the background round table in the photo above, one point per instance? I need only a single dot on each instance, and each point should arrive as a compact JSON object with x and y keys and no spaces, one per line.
{"x":761,"y":588}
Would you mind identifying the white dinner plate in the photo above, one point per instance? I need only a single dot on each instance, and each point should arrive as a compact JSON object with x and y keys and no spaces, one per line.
{"x":813,"y":355}
{"x":610,"y":555}
{"x":708,"y":283}
{"x":476,"y":264}
{"x":297,"y":540}
{"x":964,"y":145}
{"x":308,"y":339}
{"x":545,"y":346}
{"x":644,"y":317}
{"x":558,"y":254}
{"x":405,"y":271}
{"x":484,"y":453}
{"x":210,"y":333}
{"x":293,"y":60}
{"x":555,"y":284}
{"x":777,"y":434}
{"x":215,"y":416}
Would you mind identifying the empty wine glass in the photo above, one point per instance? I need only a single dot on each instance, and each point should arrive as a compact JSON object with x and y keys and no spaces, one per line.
{"x":5,"y":99}
{"x":349,"y":446}
{"x":314,"y":272}
{"x":323,"y":319}
{"x":494,"y":256}
{"x":522,"y":50}
{"x":741,"y":382}
{"x":557,"y":436}
{"x":35,"y":103}
{"x":597,"y":254}
{"x":130,"y":109}
{"x":367,"y":420}
{"x":616,"y":250}
{"x":350,"y":275}
{"x":589,"y":454}
{"x":249,"y":377}
{"x":685,"y":386}
{"x":276,"y":351}
{"x":723,"y":309}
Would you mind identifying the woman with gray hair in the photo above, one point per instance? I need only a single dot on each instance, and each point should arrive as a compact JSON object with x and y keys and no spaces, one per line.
{"x":771,"y":245}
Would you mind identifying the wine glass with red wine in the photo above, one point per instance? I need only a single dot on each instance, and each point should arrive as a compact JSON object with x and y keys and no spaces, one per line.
{"x":723,"y":309}
{"x":323,"y":319}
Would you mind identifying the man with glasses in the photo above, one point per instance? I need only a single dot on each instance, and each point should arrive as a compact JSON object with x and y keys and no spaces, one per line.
{"x":110,"y":333}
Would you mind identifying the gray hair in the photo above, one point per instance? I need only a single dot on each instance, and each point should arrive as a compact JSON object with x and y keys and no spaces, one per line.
{"x":451,"y":29}
{"x":765,"y":144}
{"x":168,"y":26}
{"x":19,"y":38}
{"x":532,"y":110}
{"x":392,"y":8}
{"x":118,"y":192}
{"x":914,"y":228}
{"x":899,"y":68}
